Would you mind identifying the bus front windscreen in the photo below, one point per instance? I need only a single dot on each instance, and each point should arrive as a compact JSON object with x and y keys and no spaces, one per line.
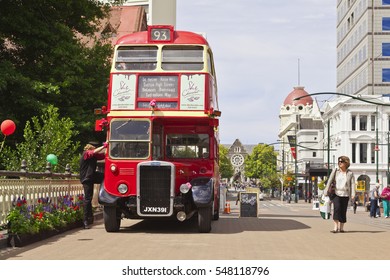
{"x":129,"y":138}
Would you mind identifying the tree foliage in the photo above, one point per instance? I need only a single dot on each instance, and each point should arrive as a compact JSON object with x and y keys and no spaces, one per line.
{"x":261,"y":164}
{"x":289,"y":179}
{"x":43,"y":61}
{"x":225,"y":166}
{"x":46,"y":135}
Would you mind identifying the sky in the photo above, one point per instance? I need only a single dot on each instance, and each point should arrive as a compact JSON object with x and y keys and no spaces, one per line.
{"x":257,"y":47}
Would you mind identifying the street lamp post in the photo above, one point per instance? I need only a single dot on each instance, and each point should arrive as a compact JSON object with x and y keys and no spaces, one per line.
{"x":376,"y":146}
{"x":296,"y":169}
{"x":388,"y":156}
{"x":282,"y":188}
{"x":328,"y":170}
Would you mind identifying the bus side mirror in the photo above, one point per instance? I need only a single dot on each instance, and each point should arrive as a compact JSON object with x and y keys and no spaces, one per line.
{"x":101,"y":124}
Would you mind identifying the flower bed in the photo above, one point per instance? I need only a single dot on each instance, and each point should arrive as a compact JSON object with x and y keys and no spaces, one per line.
{"x":36,"y":222}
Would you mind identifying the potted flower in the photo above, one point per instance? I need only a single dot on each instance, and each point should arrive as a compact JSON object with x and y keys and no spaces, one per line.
{"x":29,"y":223}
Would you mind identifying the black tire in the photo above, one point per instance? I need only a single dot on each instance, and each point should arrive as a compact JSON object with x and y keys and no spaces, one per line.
{"x":112,"y":221}
{"x":216,"y":210}
{"x":204,"y":219}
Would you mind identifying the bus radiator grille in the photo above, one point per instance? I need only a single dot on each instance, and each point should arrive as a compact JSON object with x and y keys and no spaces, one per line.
{"x":154,"y":190}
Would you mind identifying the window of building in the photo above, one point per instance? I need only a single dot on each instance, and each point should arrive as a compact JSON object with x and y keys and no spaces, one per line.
{"x":373,"y":122}
{"x":388,"y":160}
{"x":386,"y":48}
{"x":363,"y":152}
{"x":385,"y":2}
{"x":237,"y":149}
{"x":314,"y":154}
{"x":385,"y":75}
{"x":353,"y":123}
{"x":353,"y":152}
{"x":385,"y":24}
{"x":372,"y":152}
{"x":363,"y":123}
{"x":388,"y":123}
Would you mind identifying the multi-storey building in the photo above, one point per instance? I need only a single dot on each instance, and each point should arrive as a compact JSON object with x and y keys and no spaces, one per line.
{"x":356,"y":119}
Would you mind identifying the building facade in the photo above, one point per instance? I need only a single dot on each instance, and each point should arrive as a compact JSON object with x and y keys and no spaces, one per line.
{"x":356,"y":119}
{"x":237,"y":154}
{"x":157,"y":12}
{"x":301,"y":137}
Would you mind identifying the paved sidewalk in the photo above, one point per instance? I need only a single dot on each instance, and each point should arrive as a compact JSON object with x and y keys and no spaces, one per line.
{"x":282,"y":231}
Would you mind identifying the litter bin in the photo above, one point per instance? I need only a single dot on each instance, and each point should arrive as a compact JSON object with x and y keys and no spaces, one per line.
{"x":316,"y":205}
{"x":325,"y":208}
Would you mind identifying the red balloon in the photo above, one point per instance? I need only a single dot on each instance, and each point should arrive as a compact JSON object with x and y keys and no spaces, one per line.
{"x":8,"y":127}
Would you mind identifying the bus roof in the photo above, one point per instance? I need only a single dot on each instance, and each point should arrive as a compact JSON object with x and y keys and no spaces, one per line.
{"x":180,"y":37}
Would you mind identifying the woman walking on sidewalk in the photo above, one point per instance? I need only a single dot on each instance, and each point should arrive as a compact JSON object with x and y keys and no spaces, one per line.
{"x":355,"y":202}
{"x":385,"y":195}
{"x":343,"y":180}
{"x":374,"y":196}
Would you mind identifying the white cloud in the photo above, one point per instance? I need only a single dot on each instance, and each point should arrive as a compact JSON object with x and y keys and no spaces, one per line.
{"x":256,"y":45}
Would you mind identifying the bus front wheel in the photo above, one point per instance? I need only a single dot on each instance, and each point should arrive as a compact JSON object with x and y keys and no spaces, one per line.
{"x":112,"y":220}
{"x":204,"y":219}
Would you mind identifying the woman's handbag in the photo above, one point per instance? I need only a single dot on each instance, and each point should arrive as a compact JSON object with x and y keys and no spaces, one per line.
{"x":332,"y":191}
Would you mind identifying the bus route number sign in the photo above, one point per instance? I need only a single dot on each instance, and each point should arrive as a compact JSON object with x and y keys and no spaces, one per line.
{"x":160,"y":34}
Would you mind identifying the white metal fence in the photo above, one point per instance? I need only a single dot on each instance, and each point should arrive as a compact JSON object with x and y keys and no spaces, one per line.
{"x":33,"y":189}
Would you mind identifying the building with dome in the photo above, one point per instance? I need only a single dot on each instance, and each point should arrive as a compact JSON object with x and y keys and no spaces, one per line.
{"x":301,"y":136}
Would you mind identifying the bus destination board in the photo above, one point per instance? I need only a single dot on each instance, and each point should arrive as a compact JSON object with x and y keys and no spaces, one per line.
{"x":158,"y":87}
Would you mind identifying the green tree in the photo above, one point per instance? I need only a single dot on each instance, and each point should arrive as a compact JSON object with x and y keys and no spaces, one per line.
{"x":48,"y":135}
{"x":225,"y":166}
{"x":48,"y":56}
{"x":289,"y":179}
{"x":261,"y":164}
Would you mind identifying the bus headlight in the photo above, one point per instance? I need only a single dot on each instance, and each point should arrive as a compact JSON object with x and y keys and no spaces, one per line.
{"x":185,"y":188}
{"x":181,"y":216}
{"x":122,"y":188}
{"x":114,"y":168}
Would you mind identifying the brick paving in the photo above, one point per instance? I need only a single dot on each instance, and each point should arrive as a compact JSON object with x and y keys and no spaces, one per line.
{"x":283,"y":231}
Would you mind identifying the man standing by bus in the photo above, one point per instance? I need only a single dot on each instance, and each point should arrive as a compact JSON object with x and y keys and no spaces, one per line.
{"x":89,"y":176}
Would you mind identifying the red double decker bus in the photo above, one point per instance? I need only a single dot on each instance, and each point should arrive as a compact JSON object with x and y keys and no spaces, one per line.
{"x":162,"y":130}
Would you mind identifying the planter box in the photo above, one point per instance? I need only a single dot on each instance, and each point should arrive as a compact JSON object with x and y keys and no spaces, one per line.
{"x":20,"y":240}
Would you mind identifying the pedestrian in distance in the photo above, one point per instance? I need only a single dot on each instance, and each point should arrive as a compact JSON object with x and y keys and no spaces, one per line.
{"x":345,"y":184}
{"x":374,"y":196}
{"x":385,"y":195}
{"x":355,"y":202}
{"x":90,"y":176}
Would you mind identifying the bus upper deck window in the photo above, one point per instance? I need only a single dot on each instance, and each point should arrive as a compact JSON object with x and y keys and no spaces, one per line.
{"x":136,"y":58}
{"x":182,"y":58}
